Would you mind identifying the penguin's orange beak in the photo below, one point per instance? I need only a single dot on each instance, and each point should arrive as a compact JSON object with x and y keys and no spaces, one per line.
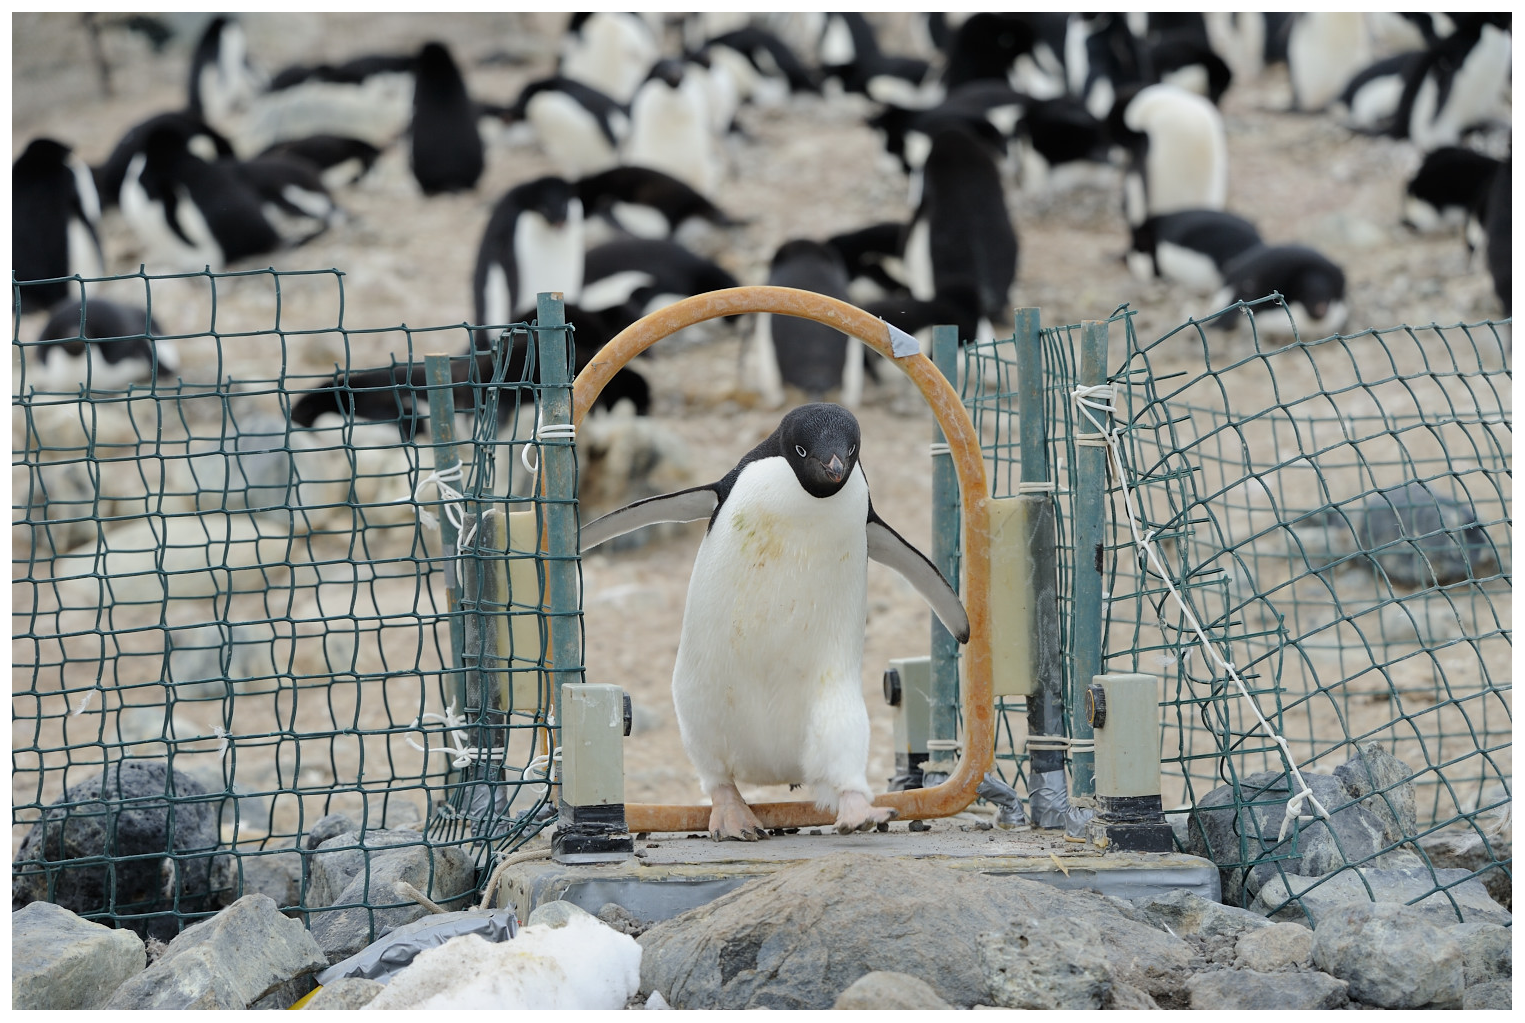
{"x":834,"y":469}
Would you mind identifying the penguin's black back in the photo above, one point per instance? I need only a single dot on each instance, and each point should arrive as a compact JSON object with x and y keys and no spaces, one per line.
{"x":972,"y":240}
{"x":231,"y":207}
{"x":1219,"y":235}
{"x":44,"y":198}
{"x":1453,"y":176}
{"x":810,"y":355}
{"x":646,"y":186}
{"x":1299,"y":273}
{"x":446,"y":147}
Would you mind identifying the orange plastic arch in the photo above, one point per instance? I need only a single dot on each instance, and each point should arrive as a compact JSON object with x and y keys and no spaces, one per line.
{"x":958,"y":791}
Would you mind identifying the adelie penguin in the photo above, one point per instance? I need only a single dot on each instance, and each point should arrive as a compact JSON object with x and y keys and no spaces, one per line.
{"x":1190,"y":247}
{"x":106,"y":346}
{"x":55,"y":222}
{"x":800,"y":352}
{"x":533,"y":243}
{"x":446,"y":148}
{"x":768,"y":684}
{"x":1311,"y":285}
{"x":580,"y":128}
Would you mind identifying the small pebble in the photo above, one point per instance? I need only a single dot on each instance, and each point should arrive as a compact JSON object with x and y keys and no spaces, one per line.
{"x":815,"y":831}
{"x":920,"y":826}
{"x":882,"y":827}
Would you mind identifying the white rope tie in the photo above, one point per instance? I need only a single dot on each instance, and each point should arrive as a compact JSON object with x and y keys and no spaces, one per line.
{"x":1098,"y":399}
{"x":1037,"y":487}
{"x":555,"y":431}
{"x":942,"y":745}
{"x":939,"y":448}
{"x":461,"y":754}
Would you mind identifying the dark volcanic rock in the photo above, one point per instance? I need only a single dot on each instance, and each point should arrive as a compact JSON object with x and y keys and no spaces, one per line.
{"x":161,"y":868}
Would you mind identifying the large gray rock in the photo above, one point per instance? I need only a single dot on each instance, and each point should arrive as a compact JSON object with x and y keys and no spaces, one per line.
{"x":1440,"y":895}
{"x":346,"y":993}
{"x":1420,"y":538}
{"x":1047,"y":964}
{"x":228,"y":962}
{"x":276,"y":873}
{"x":1350,"y":835}
{"x":1390,"y":956}
{"x":124,"y":812}
{"x":343,"y":872}
{"x":1188,"y":914}
{"x":1384,"y":785}
{"x":886,"y":989}
{"x":1487,"y":953}
{"x":1274,"y":947}
{"x":1280,"y":992}
{"x":1466,"y":848}
{"x":60,"y":961}
{"x":798,"y":937}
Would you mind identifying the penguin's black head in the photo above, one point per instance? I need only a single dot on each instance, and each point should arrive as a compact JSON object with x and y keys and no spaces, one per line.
{"x":821,"y":442}
{"x":550,"y":196}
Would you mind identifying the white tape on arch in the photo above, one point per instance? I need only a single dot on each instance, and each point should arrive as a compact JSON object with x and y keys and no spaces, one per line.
{"x":901,"y":343}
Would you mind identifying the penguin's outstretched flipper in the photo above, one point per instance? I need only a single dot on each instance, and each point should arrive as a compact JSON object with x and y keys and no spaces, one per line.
{"x":890,"y":548}
{"x":682,"y":506}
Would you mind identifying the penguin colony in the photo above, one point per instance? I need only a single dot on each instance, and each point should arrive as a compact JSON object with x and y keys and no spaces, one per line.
{"x":633,"y":132}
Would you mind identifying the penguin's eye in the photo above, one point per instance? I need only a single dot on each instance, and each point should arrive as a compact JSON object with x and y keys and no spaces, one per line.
{"x":851,"y":450}
{"x":799,"y":451}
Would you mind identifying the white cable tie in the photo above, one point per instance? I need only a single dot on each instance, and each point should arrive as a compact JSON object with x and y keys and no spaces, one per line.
{"x":942,"y":745}
{"x":939,"y":448}
{"x":1038,"y":487}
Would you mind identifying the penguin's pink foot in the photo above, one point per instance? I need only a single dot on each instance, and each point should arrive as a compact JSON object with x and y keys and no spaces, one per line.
{"x":731,"y":819}
{"x":856,"y":813}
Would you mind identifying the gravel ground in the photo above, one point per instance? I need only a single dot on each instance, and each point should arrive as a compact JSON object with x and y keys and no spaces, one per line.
{"x":810,"y":168}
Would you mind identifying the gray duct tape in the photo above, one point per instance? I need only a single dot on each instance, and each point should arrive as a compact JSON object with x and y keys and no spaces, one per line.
{"x":385,"y":956}
{"x":901,"y":343}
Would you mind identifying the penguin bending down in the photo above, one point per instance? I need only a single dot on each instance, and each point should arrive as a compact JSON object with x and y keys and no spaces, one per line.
{"x":1191,"y":247}
{"x":1312,"y":286}
{"x":768,"y":685}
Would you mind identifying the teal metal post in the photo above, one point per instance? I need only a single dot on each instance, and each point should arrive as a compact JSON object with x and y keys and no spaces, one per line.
{"x":1045,"y":705}
{"x":1090,"y":520}
{"x":558,"y":497}
{"x":943,"y":732}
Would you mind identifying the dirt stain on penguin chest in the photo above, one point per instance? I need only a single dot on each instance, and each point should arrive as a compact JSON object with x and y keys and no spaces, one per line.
{"x":761,"y":536}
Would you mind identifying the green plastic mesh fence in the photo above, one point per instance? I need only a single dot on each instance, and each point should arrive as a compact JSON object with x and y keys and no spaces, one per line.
{"x":1334,"y":516}
{"x":246,"y":598}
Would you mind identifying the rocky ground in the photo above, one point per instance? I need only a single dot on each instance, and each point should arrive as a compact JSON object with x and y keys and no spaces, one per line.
{"x":810,"y":168}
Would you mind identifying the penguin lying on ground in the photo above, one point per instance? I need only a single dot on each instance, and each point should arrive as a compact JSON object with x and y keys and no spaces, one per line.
{"x":1191,"y":247}
{"x":649,"y":203}
{"x":1311,"y":284}
{"x":1447,"y":189}
{"x":109,"y":347}
{"x":768,"y":685}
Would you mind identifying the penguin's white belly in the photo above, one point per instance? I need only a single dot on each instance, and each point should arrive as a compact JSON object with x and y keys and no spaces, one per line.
{"x":767,"y":684}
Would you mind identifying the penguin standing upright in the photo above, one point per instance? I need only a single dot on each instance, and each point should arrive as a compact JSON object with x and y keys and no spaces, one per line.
{"x":768,"y":684}
{"x":1179,"y":153}
{"x":800,"y":352}
{"x":533,"y":243}
{"x":670,"y":127}
{"x":579,"y":128}
{"x":55,"y":222}
{"x":446,"y":153}
{"x":961,"y":234}
{"x":223,"y":80}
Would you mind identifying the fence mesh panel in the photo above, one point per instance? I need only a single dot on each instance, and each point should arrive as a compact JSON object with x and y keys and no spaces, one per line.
{"x":272,"y":621}
{"x":1336,"y":514}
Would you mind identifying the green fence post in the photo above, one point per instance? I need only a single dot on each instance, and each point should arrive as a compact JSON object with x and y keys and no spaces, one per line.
{"x":1045,"y":704}
{"x":942,"y":737}
{"x":558,"y":497}
{"x":1090,"y":520}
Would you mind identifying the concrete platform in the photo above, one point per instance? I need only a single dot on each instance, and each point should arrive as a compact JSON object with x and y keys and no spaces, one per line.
{"x":673,"y":873}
